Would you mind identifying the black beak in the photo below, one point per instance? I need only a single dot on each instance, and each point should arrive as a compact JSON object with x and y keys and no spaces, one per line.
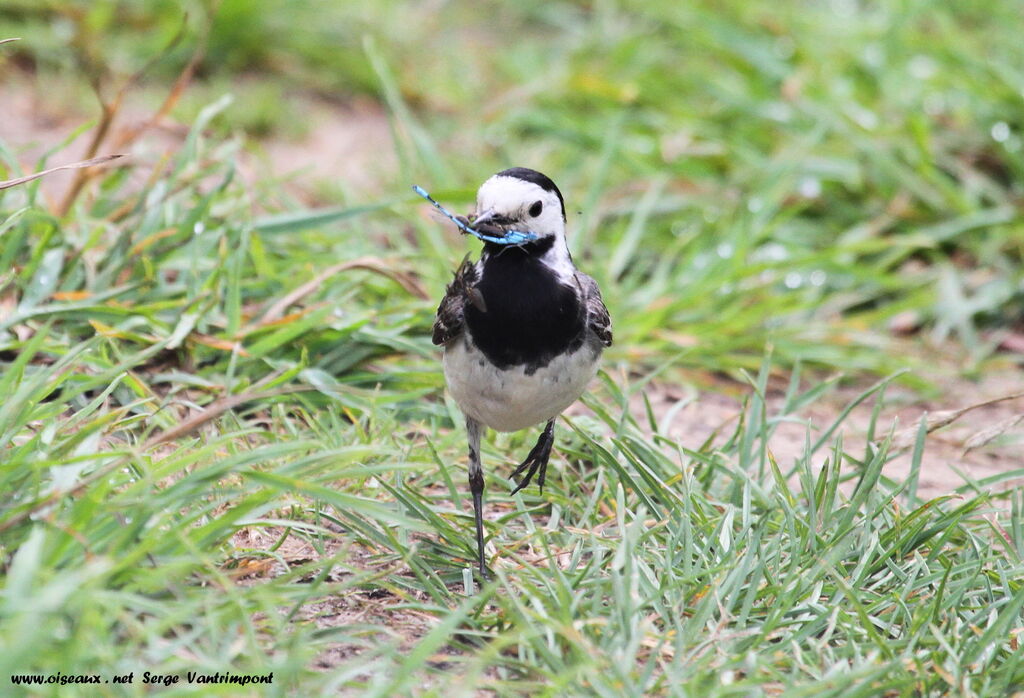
{"x":484,"y":218}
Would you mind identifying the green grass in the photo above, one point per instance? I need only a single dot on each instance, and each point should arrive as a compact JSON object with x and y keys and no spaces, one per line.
{"x":760,"y":190}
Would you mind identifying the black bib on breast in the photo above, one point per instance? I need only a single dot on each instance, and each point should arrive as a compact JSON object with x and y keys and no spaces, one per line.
{"x":531,"y":316}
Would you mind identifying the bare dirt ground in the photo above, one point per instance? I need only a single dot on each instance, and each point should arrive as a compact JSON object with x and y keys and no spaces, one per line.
{"x":956,"y":451}
{"x":346,"y":147}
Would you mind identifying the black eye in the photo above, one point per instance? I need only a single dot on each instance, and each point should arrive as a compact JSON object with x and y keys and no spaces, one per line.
{"x":536,"y":208}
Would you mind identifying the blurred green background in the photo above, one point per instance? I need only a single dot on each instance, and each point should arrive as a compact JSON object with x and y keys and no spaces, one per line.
{"x":768,"y":193}
{"x":867,"y":155}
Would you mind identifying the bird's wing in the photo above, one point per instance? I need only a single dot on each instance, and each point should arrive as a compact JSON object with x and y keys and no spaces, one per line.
{"x":598,"y":320}
{"x":449,"y":321}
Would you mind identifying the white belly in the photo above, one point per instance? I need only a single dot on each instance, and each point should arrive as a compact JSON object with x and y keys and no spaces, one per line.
{"x":511,"y":400}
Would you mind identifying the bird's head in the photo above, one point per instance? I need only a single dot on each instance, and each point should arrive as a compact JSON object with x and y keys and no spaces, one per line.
{"x":520,"y":199}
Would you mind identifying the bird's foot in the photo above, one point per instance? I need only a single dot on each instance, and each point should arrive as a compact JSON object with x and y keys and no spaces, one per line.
{"x":537,"y":460}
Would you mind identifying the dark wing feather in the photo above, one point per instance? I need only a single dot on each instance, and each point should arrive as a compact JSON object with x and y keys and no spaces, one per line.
{"x":598,"y":320}
{"x":450,"y":318}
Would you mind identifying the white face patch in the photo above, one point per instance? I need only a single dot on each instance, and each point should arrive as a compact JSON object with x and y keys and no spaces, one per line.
{"x":513,"y":197}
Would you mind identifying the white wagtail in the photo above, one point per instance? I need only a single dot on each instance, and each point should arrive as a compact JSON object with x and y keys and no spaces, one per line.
{"x":522,"y":329}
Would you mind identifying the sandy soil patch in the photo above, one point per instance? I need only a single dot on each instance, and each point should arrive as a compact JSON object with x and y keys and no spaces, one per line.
{"x":347,"y":147}
{"x":947,"y":463}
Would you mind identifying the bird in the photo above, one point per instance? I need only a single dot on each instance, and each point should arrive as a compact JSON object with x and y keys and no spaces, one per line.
{"x":522,"y":329}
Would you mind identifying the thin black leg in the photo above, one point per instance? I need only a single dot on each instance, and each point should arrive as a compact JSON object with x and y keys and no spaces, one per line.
{"x":476,"y":486}
{"x":537,"y":459}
